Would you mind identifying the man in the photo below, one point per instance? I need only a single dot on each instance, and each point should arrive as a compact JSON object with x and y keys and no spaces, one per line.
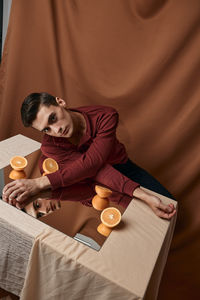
{"x":84,"y":144}
{"x":40,"y":207}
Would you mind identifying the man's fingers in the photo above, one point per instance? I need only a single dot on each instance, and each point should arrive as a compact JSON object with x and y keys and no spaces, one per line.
{"x":16,"y":196}
{"x":167,"y":211}
{"x":9,"y":191}
{"x":19,"y":205}
{"x":13,"y":202}
{"x":12,"y":194}
{"x":22,"y":197}
{"x":165,"y":215}
{"x":9,"y":201}
{"x":166,"y":208}
{"x":169,"y":216}
{"x":16,"y":193}
{"x":4,"y":198}
{"x":7,"y":186}
{"x":21,"y":201}
{"x":11,"y":188}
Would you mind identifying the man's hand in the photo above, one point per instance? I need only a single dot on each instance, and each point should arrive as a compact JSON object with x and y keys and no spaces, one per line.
{"x":18,"y":191}
{"x":159,"y":208}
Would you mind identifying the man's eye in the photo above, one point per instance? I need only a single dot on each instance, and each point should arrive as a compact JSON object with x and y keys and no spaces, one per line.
{"x":45,"y":130}
{"x":39,"y":215}
{"x":36,"y":205}
{"x":53,"y":118}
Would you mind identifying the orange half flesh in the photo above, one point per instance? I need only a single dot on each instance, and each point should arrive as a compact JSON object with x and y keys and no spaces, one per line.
{"x":49,"y":165}
{"x":110,"y":217}
{"x":18,"y":163}
{"x":17,"y":174}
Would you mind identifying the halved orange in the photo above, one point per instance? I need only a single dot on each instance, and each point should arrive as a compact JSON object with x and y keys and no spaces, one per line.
{"x":104,"y":230}
{"x":17,"y":174}
{"x":99,"y":203}
{"x":49,"y":165}
{"x":18,"y":163}
{"x":102,"y":191}
{"x":111,"y":217}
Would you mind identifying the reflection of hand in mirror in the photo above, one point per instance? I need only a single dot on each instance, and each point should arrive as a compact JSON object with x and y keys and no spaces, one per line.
{"x":19,"y":191}
{"x":41,"y":206}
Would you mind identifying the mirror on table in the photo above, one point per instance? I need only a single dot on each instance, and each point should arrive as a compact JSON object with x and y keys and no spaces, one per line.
{"x":75,"y":210}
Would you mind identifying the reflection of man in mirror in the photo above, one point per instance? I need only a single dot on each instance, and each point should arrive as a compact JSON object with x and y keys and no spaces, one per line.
{"x":83,"y":142}
{"x":40,"y":207}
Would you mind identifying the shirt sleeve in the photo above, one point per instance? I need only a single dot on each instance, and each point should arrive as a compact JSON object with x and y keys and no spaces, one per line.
{"x":107,"y":176}
{"x":115,"y":180}
{"x":42,"y":158}
{"x":88,"y":163}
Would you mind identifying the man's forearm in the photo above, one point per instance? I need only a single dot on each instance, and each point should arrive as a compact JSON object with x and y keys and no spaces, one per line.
{"x":42,"y":183}
{"x":142,"y":195}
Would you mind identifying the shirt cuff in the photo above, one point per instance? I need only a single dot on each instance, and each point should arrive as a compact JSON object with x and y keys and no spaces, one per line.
{"x":55,"y":180}
{"x":129,"y":187}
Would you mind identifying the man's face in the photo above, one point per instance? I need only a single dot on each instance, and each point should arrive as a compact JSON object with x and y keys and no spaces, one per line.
{"x":54,"y":120}
{"x":41,"y":207}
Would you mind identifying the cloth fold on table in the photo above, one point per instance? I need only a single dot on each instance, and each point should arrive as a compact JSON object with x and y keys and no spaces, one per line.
{"x":71,"y":280}
{"x":154,"y":284}
{"x":128,"y":266}
{"x":15,"y":248}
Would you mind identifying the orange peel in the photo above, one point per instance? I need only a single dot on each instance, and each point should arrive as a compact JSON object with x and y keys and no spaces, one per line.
{"x":102,"y":192}
{"x":104,"y":230}
{"x":99,"y":203}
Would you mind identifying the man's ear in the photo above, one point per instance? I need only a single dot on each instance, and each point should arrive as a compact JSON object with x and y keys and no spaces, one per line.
{"x":61,"y":102}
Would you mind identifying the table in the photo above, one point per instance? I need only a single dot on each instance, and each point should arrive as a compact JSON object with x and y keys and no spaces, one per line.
{"x":46,"y":264}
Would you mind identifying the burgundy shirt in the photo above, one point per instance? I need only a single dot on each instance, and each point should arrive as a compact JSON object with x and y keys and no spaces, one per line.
{"x":95,"y":154}
{"x":84,"y":192}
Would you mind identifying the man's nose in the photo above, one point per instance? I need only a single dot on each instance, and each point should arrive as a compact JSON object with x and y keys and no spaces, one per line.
{"x":56,"y":128}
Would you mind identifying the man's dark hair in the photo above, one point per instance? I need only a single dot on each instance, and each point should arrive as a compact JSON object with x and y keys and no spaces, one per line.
{"x":31,"y":104}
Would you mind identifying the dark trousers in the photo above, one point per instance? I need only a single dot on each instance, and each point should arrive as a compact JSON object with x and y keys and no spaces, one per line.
{"x":139,"y":175}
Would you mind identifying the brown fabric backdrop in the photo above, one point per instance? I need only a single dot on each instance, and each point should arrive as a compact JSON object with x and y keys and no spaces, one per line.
{"x":141,"y":57}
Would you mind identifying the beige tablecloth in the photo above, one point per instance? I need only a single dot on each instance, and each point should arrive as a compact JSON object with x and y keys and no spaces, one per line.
{"x":129,"y":264}
{"x":40,"y":263}
{"x":15,"y":250}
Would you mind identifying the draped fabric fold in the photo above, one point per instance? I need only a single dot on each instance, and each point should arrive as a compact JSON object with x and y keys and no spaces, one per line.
{"x":142,"y":59}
